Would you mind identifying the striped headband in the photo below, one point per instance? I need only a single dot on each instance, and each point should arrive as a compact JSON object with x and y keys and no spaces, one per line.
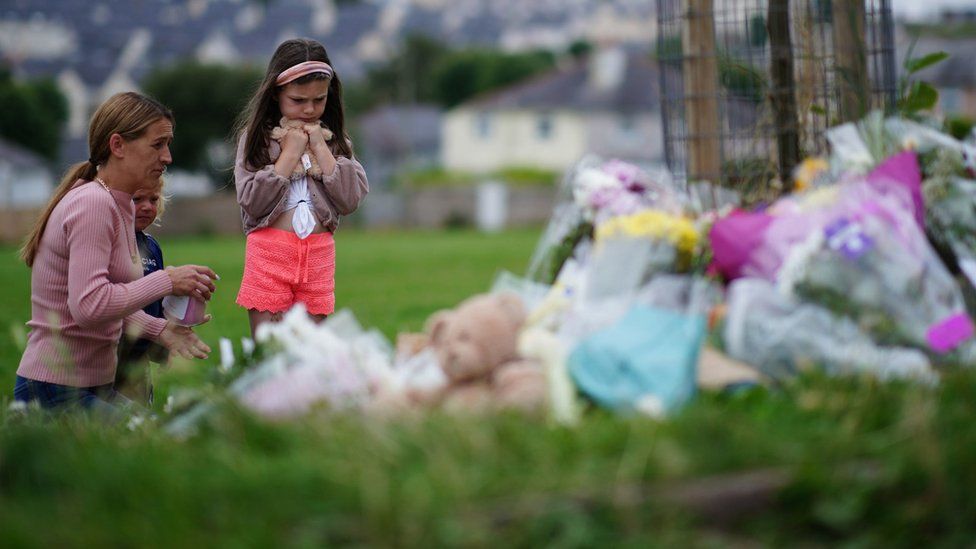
{"x":301,"y":69}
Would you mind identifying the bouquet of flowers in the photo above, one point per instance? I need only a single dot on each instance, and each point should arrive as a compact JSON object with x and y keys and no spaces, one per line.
{"x":629,"y":249}
{"x":593,"y":191}
{"x":782,"y":336}
{"x":871,"y":262}
{"x":302,"y":365}
{"x":951,"y":208}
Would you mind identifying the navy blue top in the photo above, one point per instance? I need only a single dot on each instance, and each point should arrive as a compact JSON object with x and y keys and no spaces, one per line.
{"x":152,"y":261}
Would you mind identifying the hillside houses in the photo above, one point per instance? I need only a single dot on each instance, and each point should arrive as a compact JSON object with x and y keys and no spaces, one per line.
{"x":608,"y":105}
{"x":94,"y":48}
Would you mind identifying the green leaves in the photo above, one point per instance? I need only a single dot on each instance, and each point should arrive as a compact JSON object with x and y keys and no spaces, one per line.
{"x":918,"y":63}
{"x":33,"y":114}
{"x":916,"y":95}
{"x":921,"y":96}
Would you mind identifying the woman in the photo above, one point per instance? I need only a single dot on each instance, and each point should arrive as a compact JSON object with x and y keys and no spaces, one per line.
{"x":86,"y":278}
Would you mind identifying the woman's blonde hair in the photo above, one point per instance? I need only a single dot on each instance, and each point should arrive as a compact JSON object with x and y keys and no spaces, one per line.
{"x":127,"y":114}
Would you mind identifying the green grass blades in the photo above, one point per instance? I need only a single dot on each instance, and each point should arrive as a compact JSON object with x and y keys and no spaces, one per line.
{"x":855,"y":461}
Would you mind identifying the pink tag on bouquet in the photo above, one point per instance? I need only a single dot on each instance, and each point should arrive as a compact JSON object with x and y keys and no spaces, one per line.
{"x":948,"y":334}
{"x":184,"y":310}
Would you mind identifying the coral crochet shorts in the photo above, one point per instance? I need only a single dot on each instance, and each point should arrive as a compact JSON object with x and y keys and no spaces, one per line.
{"x":281,"y":269}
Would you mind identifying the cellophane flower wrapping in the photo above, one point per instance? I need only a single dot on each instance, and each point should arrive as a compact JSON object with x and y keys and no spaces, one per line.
{"x":951,"y":207}
{"x":644,"y":357}
{"x":592,"y":191}
{"x":781,"y":336}
{"x":629,"y":249}
{"x":872,"y":262}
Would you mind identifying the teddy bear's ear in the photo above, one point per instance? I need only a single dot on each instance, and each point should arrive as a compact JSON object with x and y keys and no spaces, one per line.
{"x":513,"y":307}
{"x":436,"y":325}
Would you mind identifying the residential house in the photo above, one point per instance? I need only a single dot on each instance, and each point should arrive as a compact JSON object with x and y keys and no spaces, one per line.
{"x":395,"y":138}
{"x":25,"y":180}
{"x":607,"y":104}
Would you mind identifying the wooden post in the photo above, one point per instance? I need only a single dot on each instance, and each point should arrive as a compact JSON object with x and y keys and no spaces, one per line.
{"x":850,"y":56}
{"x":783,"y":92}
{"x":701,"y":92}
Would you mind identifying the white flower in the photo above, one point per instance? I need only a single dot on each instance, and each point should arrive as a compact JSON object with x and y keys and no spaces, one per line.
{"x":135,"y":422}
{"x":795,"y":265}
{"x":226,"y":355}
{"x":650,"y":405}
{"x":247,"y":346}
{"x":17,"y":407}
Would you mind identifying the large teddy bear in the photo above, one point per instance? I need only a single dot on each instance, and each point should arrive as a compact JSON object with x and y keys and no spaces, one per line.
{"x":476,"y":345}
{"x":278,"y":133}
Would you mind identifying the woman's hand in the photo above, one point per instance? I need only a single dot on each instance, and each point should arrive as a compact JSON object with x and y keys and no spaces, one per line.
{"x":192,"y":280}
{"x":181,"y":341}
{"x":316,"y":142}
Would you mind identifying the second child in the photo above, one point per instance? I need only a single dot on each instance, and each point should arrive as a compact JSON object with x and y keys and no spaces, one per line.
{"x":133,"y":376}
{"x":290,"y":219}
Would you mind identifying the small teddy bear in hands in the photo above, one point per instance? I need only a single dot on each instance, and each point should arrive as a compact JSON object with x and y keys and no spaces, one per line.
{"x":308,"y":165}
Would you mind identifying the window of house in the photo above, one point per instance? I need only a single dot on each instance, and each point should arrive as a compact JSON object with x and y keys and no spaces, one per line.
{"x":482,"y":125}
{"x":543,"y":127}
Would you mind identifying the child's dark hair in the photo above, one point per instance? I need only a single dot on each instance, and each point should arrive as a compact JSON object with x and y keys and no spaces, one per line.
{"x":263,"y":113}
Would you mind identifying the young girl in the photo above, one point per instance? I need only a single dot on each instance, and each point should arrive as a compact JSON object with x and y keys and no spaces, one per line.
{"x":289,"y":220}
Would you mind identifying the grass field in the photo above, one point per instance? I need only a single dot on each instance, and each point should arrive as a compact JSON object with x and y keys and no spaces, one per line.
{"x":856,"y":462}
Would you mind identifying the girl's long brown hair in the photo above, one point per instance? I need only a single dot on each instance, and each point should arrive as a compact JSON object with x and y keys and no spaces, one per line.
{"x":263,"y":113}
{"x":127,"y":114}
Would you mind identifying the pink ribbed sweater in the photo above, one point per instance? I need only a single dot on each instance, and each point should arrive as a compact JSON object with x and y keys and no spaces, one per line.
{"x":85,"y":280}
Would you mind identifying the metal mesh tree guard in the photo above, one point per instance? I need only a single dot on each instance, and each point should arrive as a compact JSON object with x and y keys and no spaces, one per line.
{"x":749,"y":86}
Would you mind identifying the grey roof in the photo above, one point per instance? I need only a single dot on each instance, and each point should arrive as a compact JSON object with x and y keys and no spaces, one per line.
{"x":395,"y":129}
{"x":569,"y":88}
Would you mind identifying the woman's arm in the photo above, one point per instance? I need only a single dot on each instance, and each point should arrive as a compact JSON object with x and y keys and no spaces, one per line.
{"x":92,"y":297}
{"x":142,"y":324}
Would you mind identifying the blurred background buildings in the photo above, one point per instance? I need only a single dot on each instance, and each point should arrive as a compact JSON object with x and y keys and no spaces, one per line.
{"x":464,"y":91}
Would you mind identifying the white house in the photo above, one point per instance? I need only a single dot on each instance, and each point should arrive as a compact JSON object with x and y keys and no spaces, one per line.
{"x":607,"y":104}
{"x":25,"y":180}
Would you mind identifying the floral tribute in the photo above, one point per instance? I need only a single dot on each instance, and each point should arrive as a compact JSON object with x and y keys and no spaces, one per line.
{"x":637,"y":296}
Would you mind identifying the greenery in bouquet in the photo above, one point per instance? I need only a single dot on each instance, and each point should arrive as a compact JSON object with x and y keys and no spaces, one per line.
{"x":557,"y":254}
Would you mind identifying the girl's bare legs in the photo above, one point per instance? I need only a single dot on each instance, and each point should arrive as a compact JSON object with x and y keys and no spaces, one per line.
{"x":258,"y":318}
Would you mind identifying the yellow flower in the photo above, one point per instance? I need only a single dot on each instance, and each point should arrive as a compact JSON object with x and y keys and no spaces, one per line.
{"x":652,"y":224}
{"x":808,"y":171}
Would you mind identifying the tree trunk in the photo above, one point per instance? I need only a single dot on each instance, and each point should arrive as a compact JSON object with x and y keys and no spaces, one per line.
{"x":701,"y":92}
{"x":783,"y":90}
{"x":851,"y":59}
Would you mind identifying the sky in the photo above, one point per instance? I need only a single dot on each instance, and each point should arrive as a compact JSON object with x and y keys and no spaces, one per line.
{"x":923,"y":8}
